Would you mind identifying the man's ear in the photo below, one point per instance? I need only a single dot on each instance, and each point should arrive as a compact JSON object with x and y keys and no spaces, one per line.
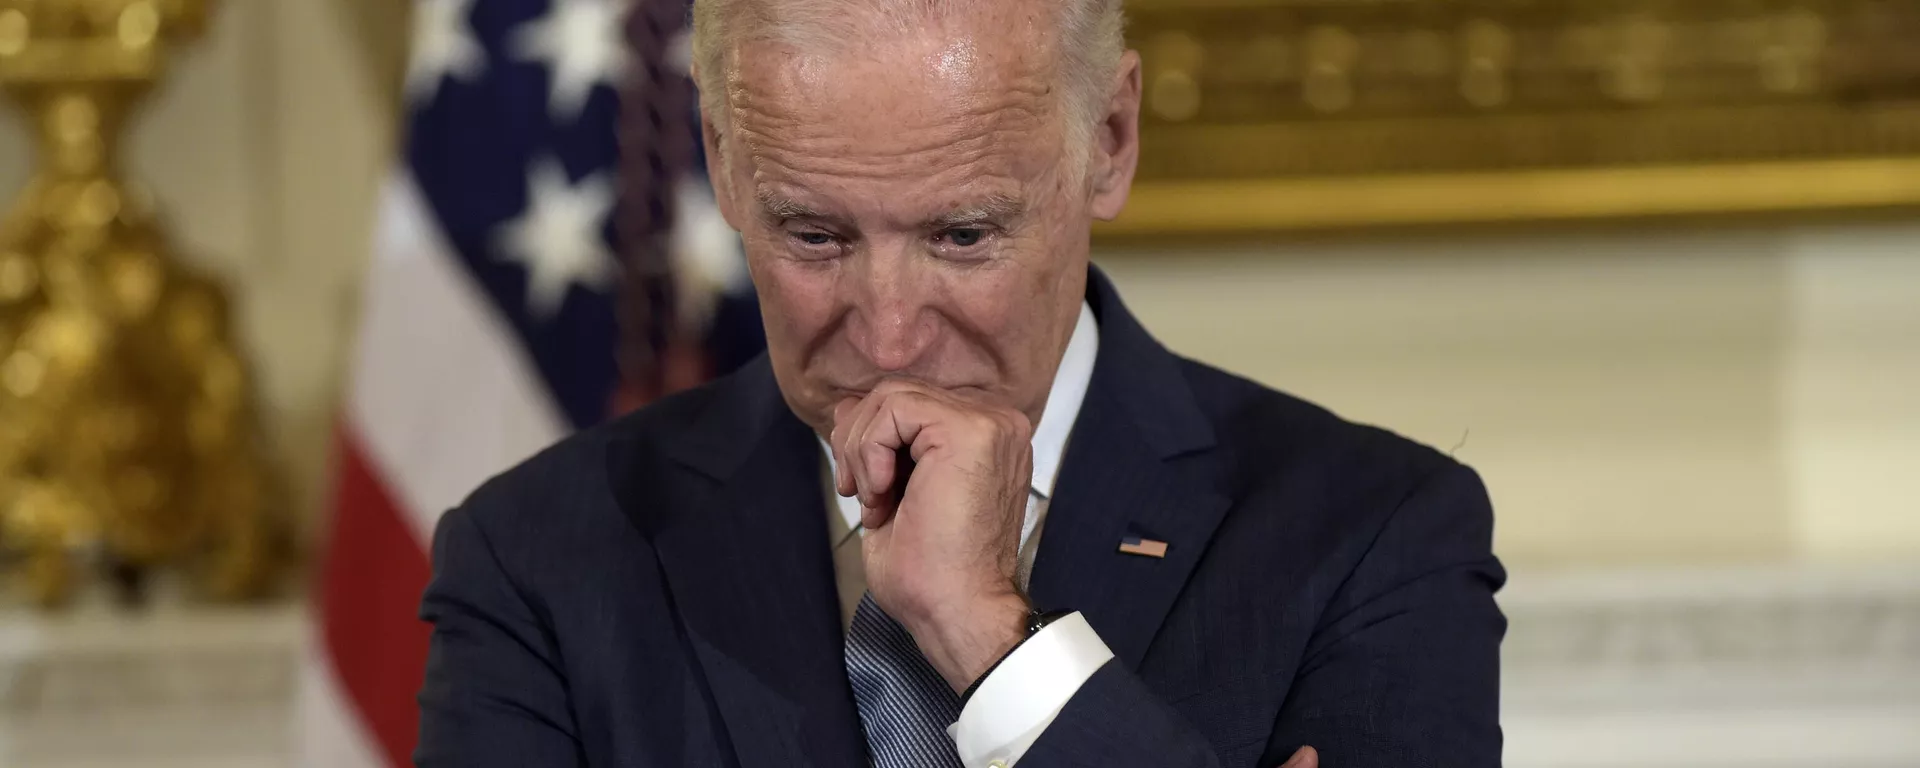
{"x":714,"y":144}
{"x":1116,"y":150}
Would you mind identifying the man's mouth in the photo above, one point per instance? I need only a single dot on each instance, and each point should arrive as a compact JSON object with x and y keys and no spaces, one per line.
{"x":970,"y":390}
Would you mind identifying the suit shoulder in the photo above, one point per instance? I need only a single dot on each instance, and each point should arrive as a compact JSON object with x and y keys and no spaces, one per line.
{"x":573,"y":473}
{"x":1268,"y":430}
{"x":1299,"y":472}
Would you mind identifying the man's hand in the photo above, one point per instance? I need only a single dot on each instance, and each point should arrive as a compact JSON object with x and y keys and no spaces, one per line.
{"x":943,"y":486}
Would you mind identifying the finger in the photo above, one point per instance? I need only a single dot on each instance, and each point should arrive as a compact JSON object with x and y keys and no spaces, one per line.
{"x":874,"y":462}
{"x":888,"y":432}
{"x":842,"y":426}
{"x":1304,"y":757}
{"x":904,"y":423}
{"x":885,"y":425}
{"x":880,"y":465}
{"x":852,"y":442}
{"x":907,"y":415}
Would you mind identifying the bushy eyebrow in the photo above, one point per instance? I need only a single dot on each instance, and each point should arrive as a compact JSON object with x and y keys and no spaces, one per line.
{"x":781,"y":207}
{"x":996,"y":207}
{"x":993,"y":208}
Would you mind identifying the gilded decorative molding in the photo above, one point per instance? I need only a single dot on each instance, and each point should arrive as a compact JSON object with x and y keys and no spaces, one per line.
{"x":1289,"y":114}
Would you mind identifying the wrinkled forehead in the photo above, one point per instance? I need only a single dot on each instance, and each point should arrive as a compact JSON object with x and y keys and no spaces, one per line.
{"x":896,"y":90}
{"x":1004,"y":35}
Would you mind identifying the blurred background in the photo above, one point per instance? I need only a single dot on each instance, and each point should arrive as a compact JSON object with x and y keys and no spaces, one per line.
{"x":1652,"y":267}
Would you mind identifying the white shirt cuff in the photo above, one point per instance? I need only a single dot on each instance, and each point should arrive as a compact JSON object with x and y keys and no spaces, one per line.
{"x":1020,"y":698}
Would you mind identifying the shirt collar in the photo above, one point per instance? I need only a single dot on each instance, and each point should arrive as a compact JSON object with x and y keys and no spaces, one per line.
{"x":1056,"y":420}
{"x":1063,"y":403}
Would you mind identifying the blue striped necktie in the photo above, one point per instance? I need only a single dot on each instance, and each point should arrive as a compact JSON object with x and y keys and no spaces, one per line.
{"x":905,"y":705}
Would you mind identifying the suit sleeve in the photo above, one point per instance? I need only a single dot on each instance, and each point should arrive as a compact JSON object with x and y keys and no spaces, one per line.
{"x":1401,"y":672}
{"x":494,"y":694}
{"x":1404,"y":669}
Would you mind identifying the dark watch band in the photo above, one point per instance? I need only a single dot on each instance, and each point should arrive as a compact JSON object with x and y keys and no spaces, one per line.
{"x":1036,"y":621}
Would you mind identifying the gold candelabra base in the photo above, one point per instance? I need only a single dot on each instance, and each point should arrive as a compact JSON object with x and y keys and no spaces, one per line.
{"x":130,"y":439}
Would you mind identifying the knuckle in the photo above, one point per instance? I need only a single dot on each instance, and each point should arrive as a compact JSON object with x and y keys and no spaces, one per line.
{"x":893,"y":402}
{"x":1010,"y":423}
{"x":1021,"y":424}
{"x":986,"y":421}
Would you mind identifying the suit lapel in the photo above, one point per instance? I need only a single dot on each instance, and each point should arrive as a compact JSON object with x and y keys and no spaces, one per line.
{"x":747,"y":563}
{"x":1140,"y":462}
{"x":1110,"y":487}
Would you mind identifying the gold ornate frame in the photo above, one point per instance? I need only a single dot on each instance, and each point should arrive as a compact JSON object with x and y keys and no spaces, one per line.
{"x":1276,"y":115}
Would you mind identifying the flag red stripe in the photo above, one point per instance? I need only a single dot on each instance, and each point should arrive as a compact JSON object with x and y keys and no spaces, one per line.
{"x":370,"y":585}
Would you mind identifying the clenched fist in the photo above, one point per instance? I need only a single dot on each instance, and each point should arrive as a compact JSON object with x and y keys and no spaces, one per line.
{"x":942,"y":482}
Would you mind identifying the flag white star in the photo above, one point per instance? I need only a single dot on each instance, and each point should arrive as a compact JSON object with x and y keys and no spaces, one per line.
{"x":680,"y":52}
{"x":558,"y":240}
{"x":582,"y":44}
{"x":705,"y":251}
{"x":443,"y":46}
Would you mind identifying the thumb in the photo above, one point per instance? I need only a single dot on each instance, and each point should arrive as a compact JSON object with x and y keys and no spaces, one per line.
{"x":1305,"y":757}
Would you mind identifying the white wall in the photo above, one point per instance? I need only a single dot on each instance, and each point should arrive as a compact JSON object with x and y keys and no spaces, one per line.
{"x":332,"y":122}
{"x":1852,"y":392}
{"x":1647,"y":395}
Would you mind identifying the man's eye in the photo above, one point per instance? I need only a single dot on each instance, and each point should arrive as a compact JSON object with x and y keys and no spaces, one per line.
{"x":965,"y":237}
{"x":813,"y":238}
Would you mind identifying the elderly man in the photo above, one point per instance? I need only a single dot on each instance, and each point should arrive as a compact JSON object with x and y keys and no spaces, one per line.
{"x":966,"y":511}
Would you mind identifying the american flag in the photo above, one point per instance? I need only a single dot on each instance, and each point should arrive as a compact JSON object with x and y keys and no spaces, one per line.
{"x":497,"y":316}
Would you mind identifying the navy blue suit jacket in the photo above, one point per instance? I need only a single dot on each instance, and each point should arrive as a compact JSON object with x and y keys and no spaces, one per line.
{"x":659,"y":591}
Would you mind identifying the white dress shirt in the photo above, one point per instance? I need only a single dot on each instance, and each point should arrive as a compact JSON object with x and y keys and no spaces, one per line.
{"x":1021,"y":696}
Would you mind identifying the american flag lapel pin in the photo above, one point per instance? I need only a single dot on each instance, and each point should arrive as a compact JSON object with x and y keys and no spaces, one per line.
{"x":1136,"y":545}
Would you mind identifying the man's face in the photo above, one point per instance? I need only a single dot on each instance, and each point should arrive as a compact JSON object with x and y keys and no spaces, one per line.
{"x":909,"y":208}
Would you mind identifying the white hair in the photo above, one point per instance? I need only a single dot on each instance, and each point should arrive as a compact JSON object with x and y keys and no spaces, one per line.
{"x":1090,"y":44}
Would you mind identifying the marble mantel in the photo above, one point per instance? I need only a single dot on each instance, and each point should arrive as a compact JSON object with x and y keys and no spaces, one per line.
{"x":173,"y":688}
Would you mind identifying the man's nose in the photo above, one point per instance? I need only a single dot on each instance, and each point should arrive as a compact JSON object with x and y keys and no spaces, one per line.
{"x":892,"y":322}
